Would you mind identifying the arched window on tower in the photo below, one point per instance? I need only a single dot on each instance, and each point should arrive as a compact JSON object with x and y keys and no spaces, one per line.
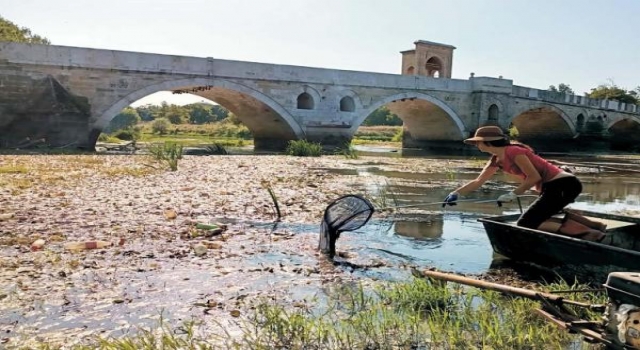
{"x":493,"y":113}
{"x":433,"y":67}
{"x":347,"y":104}
{"x":305,"y":101}
{"x":410,"y":70}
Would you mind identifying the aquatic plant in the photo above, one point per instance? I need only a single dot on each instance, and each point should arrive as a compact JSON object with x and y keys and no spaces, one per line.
{"x":303,"y":148}
{"x":347,"y":151}
{"x":168,"y":152}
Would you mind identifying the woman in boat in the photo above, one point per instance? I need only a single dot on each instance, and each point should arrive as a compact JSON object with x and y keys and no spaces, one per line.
{"x":556,"y":187}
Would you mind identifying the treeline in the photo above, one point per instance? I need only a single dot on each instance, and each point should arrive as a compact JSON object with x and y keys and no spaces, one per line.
{"x":382,"y":116}
{"x":196,"y":113}
{"x":165,"y":115}
{"x":609,"y":91}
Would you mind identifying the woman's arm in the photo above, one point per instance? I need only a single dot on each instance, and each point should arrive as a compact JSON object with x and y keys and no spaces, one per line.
{"x":487,"y":172}
{"x":532,"y":175}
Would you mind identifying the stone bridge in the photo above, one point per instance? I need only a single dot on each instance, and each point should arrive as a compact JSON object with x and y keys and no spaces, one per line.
{"x":67,"y":95}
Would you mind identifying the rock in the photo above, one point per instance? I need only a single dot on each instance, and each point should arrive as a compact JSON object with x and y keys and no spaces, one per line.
{"x":199,"y":249}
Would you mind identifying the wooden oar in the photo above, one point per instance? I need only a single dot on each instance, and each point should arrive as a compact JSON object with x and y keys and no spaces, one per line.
{"x":530,"y":294}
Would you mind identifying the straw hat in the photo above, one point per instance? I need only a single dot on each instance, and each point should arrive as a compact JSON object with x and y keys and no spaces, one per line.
{"x":486,"y":133}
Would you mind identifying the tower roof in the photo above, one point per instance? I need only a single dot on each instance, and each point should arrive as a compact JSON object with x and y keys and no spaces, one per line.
{"x":425,"y":42}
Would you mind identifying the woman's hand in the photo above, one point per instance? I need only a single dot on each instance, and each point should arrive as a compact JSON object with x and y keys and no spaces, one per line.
{"x":507,"y":197}
{"x":451,"y":199}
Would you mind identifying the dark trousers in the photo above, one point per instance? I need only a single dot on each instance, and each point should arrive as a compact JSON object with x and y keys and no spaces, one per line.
{"x":555,"y":195}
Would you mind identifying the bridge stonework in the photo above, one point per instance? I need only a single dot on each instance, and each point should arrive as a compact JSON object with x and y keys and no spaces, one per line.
{"x":67,"y":95}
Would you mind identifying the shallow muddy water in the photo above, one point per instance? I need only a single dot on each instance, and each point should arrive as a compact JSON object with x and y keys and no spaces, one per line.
{"x":451,"y":238}
{"x":114,"y":292}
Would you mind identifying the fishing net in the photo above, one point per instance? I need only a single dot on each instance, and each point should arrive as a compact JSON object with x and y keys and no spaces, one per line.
{"x":346,"y":213}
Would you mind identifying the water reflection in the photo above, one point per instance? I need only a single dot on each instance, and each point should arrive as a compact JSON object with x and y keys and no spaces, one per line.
{"x":451,"y":238}
{"x":607,"y":188}
{"x":419,"y":230}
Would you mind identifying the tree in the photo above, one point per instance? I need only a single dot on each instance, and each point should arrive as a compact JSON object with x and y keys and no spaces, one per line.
{"x":177,"y":115}
{"x":11,"y":32}
{"x":611,"y":91}
{"x":220,"y":113}
{"x":562,"y":88}
{"x":148,"y":112}
{"x":382,"y":116}
{"x":200,"y":113}
{"x":174,"y":113}
{"x":126,"y":119}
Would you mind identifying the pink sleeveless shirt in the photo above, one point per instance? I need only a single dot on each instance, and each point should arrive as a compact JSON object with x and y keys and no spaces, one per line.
{"x":546,"y":170}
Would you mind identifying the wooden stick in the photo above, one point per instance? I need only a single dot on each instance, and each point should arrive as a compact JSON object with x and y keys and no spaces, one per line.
{"x":531,"y":294}
{"x":594,"y":165}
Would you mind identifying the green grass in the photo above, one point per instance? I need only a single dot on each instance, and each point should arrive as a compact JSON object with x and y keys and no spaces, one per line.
{"x":378,"y":134}
{"x":194,"y":140}
{"x":303,"y":148}
{"x":418,"y":314}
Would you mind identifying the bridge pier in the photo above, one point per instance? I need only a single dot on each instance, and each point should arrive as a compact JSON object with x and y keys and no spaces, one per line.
{"x":329,"y":138}
{"x":269,"y":144}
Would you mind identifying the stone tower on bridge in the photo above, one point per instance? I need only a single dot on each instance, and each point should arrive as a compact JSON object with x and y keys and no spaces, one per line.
{"x":428,"y":59}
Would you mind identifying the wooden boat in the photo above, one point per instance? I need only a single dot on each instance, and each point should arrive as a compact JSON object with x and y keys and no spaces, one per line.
{"x":568,"y":256}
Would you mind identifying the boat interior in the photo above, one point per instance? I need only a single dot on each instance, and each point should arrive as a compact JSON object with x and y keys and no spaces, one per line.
{"x":621,"y":231}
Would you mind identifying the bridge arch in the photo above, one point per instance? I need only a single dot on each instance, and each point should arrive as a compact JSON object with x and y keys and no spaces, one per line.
{"x":276,"y":112}
{"x":623,"y":133}
{"x":542,"y":121}
{"x":455,"y":133}
{"x":631,"y":119}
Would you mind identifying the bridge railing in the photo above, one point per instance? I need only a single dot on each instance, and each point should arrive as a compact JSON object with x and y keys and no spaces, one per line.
{"x":558,"y":97}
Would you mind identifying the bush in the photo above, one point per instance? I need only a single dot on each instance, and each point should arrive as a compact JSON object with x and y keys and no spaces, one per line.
{"x":304,"y":148}
{"x":216,"y":148}
{"x":513,"y":132}
{"x":160,"y":126}
{"x":126,"y":119}
{"x":398,"y":135}
{"x":129,"y":134}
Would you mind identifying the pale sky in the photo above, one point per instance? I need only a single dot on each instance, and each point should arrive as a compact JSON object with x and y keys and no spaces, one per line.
{"x":535,"y":43}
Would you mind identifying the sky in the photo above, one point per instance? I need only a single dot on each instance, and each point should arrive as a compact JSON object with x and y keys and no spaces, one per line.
{"x":535,"y":43}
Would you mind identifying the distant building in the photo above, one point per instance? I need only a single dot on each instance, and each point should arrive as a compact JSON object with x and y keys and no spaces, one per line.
{"x":428,"y":59}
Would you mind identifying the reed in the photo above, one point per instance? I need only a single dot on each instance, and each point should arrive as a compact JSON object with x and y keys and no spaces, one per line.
{"x":347,"y":151}
{"x":169,"y":152}
{"x":303,"y":148}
